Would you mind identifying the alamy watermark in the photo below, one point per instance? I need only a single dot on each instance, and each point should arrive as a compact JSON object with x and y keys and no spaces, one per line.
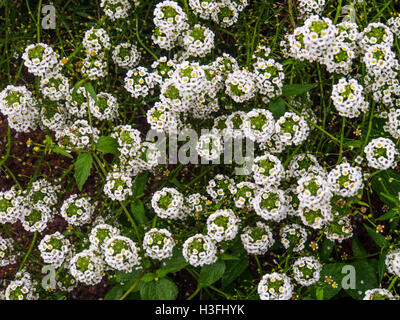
{"x":49,"y":19}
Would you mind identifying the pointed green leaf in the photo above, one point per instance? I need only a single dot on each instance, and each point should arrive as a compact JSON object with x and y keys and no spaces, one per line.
{"x":82,"y":169}
{"x":107,"y":144}
{"x":211,"y":273}
{"x":163,"y":289}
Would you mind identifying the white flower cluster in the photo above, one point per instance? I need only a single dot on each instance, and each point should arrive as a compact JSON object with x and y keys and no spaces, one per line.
{"x":78,"y":104}
{"x":394,"y":24}
{"x":292,"y":129}
{"x":268,"y":74}
{"x":392,"y":262}
{"x":106,"y":107}
{"x":99,"y":236}
{"x":259,"y":125}
{"x":257,"y":240}
{"x":222,"y":225}
{"x":22,"y":288}
{"x":36,"y":216}
{"x":381,"y":64}
{"x":87,"y":267}
{"x":158,"y":244}
{"x":77,"y":210}
{"x":381,"y":153}
{"x":339,"y":229}
{"x":270,"y":204}
{"x":345,"y":180}
{"x":54,"y":87}
{"x":96,"y":40}
{"x":161,"y":118}
{"x":223,"y":12}
{"x":275,"y":286}
{"x":126,"y":55}
{"x":198,"y":41}
{"x":210,"y":147}
{"x":79,"y":135}
{"x":220,"y":187}
{"x":313,"y":189}
{"x":116,"y":9}
{"x":54,"y":249}
{"x":293,"y":236}
{"x":96,"y":43}
{"x":7,"y":255}
{"x":378,"y":294}
{"x":168,"y":203}
{"x":245,"y":191}
{"x":139,"y":82}
{"x":94,"y":66}
{"x":310,"y":41}
{"x":10,"y":205}
{"x":41,"y":60}
{"x":53,"y":116}
{"x":199,"y":250}
{"x":310,"y":7}
{"x":301,"y":164}
{"x":19,"y":106}
{"x":121,"y":253}
{"x":118,"y":185}
{"x":267,"y":170}
{"x":392,"y":124}
{"x":240,"y":85}
{"x":307,"y":270}
{"x":348,"y":99}
{"x":170,"y":21}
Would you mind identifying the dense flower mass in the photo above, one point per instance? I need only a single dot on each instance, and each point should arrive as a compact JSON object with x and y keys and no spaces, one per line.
{"x":200,"y":149}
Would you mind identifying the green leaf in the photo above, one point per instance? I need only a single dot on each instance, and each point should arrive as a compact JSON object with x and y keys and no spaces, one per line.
{"x":277,"y":107}
{"x":127,"y":278}
{"x":115,"y":293}
{"x":226,"y":256}
{"x":58,"y":150}
{"x":76,"y":87}
{"x":382,"y":264}
{"x":140,"y":183}
{"x":82,"y":168}
{"x":163,"y":289}
{"x":387,"y":185}
{"x":148,"y":277}
{"x":378,"y":238}
{"x":211,"y":273}
{"x":388,"y":215}
{"x":358,"y":249}
{"x":89,"y":88}
{"x":296,"y":89}
{"x":365,"y":275}
{"x":333,"y":271}
{"x":107,"y":144}
{"x":390,"y":198}
{"x":326,"y":249}
{"x":175,"y":264}
{"x":320,"y":293}
{"x":138,"y":212}
{"x":234,"y":269}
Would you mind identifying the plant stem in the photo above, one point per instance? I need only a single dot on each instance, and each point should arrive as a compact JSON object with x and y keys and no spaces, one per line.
{"x":29,"y":251}
{"x":133,"y":286}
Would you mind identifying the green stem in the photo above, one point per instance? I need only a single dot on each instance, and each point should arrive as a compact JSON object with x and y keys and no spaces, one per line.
{"x":194,"y":294}
{"x":133,"y":286}
{"x":141,"y":42}
{"x":29,"y":251}
{"x":341,"y":140}
{"x":128,"y":215}
{"x":8,"y":147}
